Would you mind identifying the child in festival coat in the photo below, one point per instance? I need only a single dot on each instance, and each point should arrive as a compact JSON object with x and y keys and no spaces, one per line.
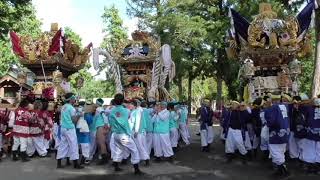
{"x":21,"y":131}
{"x":83,"y":134}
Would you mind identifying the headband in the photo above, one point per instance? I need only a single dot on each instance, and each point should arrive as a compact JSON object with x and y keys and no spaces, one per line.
{"x":73,"y":97}
{"x":99,"y":103}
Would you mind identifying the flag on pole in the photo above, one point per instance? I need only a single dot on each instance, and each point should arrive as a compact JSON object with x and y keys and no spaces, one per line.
{"x":305,"y":17}
{"x":239,"y":25}
{"x":56,"y":43}
{"x":15,"y":40}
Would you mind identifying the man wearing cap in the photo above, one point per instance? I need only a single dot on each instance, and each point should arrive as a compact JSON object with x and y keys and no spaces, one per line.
{"x":161,"y":136}
{"x":122,"y":135}
{"x":68,"y":146}
{"x":206,"y":115}
{"x":256,"y":123}
{"x":278,"y":123}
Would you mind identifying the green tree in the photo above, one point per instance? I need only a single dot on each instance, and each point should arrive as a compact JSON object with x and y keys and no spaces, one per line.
{"x":12,"y":11}
{"x":91,"y":88}
{"x":113,"y":28}
{"x":25,"y":24}
{"x":70,"y":34}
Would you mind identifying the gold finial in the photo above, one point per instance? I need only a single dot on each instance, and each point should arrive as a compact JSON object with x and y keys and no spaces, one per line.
{"x":265,"y":11}
{"x":54,"y":27}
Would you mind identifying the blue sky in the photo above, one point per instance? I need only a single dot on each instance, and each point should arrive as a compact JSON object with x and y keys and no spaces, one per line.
{"x":83,"y":16}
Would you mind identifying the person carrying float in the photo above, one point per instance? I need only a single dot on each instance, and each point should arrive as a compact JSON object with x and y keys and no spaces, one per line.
{"x":173,"y":126}
{"x":183,"y":124}
{"x":21,"y":131}
{"x":37,"y":125}
{"x":147,"y":114}
{"x":161,"y":134}
{"x":102,"y":128}
{"x":83,"y":133}
{"x":311,"y":143}
{"x":139,"y":130}
{"x":122,"y":135}
{"x":206,"y":115}
{"x":278,"y":123}
{"x":235,"y":134}
{"x":4,"y":119}
{"x":68,"y":146}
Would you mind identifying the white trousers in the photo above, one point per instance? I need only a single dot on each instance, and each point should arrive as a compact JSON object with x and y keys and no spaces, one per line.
{"x":277,"y":153}
{"x":1,"y":142}
{"x":183,"y":129}
{"x":36,"y":144}
{"x":162,"y":145}
{"x":174,"y":137}
{"x":125,"y":153}
{"x":234,"y":141}
{"x":310,"y":151}
{"x":85,"y":149}
{"x":123,"y":142}
{"x":93,"y":145}
{"x":149,"y":138}
{"x":207,"y":136}
{"x":247,"y":141}
{"x":293,"y":145}
{"x":20,"y":141}
{"x":264,"y":145}
{"x":68,"y":145}
{"x":46,"y":143}
{"x":141,"y":143}
{"x":255,"y":142}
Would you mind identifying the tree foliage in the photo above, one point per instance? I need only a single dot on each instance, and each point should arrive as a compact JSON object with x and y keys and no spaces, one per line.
{"x":25,"y":23}
{"x":113,"y":28}
{"x":70,"y":34}
{"x":12,"y":11}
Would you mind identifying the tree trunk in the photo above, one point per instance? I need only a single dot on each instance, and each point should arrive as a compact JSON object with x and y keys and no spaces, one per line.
{"x":189,"y":92}
{"x":316,"y":74}
{"x":219,"y":92}
{"x":180,"y":93}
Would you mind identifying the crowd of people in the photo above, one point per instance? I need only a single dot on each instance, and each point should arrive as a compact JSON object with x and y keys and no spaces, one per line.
{"x":83,"y":132}
{"x":279,"y":126}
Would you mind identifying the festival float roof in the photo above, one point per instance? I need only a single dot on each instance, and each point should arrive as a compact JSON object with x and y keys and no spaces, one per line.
{"x":270,"y":40}
{"x":50,"y":51}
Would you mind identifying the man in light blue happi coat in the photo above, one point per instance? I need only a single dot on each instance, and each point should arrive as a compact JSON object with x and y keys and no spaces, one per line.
{"x":68,"y":146}
{"x":122,"y":135}
{"x":161,"y":134}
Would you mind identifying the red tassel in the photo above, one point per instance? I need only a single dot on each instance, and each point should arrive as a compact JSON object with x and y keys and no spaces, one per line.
{"x":55,"y":44}
{"x":15,"y":40}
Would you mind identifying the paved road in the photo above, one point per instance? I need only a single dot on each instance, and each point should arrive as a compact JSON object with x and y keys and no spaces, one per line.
{"x":189,"y":163}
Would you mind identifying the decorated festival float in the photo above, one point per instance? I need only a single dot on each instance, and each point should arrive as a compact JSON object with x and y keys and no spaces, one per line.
{"x":269,"y":48}
{"x":139,"y":67}
{"x":52,"y":57}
